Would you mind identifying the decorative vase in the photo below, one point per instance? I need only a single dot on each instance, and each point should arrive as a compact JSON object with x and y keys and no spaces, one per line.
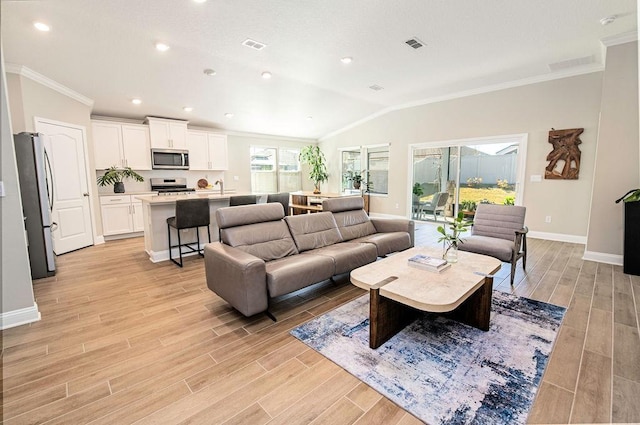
{"x":356,"y":185}
{"x":451,"y":254}
{"x":118,"y":187}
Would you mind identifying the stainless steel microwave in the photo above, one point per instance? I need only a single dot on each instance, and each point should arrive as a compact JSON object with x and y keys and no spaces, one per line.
{"x":169,"y":159}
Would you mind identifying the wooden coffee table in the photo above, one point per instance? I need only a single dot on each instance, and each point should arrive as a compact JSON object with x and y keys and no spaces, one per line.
{"x":397,"y":291}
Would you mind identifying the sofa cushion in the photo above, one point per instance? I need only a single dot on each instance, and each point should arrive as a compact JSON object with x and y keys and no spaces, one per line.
{"x":292,"y":273}
{"x":248,"y":214}
{"x":501,"y":249}
{"x":269,"y":241}
{"x":347,"y":255}
{"x":354,"y":224}
{"x":311,"y":231}
{"x":343,"y":203}
{"x":387,"y":243}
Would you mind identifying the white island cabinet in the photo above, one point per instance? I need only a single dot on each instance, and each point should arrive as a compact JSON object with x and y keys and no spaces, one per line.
{"x":121,"y":215}
{"x":121,"y":145}
{"x":157,"y":209}
{"x":207,"y":151}
{"x":166,"y":133}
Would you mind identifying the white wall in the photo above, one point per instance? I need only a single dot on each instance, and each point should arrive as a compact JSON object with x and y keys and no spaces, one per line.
{"x":617,"y":169}
{"x":17,"y":301}
{"x":533,"y":109}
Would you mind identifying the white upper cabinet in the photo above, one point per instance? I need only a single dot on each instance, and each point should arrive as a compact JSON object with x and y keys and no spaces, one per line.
{"x":121,"y":144}
{"x":167,"y":133}
{"x":207,"y":151}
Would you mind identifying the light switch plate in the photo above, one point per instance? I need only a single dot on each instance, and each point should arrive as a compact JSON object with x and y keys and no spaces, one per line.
{"x":2,"y":189}
{"x":536,"y":178}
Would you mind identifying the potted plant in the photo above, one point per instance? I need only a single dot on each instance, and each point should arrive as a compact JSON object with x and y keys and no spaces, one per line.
{"x":355,"y":178}
{"x":417,"y":192}
{"x":450,"y":241}
{"x":115,"y":177}
{"x":313,"y":156}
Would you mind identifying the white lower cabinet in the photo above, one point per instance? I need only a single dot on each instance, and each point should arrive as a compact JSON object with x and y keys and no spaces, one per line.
{"x":121,"y":214}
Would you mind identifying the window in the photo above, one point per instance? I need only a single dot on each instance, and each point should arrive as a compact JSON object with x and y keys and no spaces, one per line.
{"x":350,"y":163}
{"x":378,"y":169}
{"x":274,"y":169}
{"x":373,"y":164}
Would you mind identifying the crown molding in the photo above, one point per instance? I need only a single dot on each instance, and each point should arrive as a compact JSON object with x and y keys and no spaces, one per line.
{"x":47,"y":82}
{"x":625,"y":37}
{"x":572,"y":72}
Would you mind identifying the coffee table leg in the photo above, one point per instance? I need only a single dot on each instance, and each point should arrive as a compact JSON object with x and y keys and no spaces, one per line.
{"x":386,"y":318}
{"x":476,"y":310}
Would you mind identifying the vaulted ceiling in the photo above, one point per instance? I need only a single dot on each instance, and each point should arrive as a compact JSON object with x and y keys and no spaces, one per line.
{"x":105,"y":50}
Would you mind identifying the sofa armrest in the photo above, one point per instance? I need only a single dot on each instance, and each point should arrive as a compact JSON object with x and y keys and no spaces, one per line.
{"x":387,"y":225}
{"x":236,"y":276}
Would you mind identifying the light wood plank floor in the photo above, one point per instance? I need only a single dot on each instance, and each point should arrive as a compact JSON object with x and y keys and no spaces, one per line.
{"x":123,"y":340}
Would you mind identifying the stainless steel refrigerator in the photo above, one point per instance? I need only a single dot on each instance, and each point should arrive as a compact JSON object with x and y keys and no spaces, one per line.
{"x":36,"y":188}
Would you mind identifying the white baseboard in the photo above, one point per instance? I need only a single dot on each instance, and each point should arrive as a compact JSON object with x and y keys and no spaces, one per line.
{"x":123,"y":236}
{"x":378,"y":215}
{"x":603,"y":257}
{"x":559,"y":237}
{"x":19,"y":317}
{"x":158,"y":256}
{"x":98,"y":240}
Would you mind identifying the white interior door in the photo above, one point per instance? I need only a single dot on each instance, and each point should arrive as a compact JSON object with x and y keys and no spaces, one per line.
{"x":71,"y":210}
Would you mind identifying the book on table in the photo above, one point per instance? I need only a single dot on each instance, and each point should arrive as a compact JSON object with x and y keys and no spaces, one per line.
{"x":426,"y":262}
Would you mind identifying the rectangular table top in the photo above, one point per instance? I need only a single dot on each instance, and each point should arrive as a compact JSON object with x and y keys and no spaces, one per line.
{"x":424,"y":289}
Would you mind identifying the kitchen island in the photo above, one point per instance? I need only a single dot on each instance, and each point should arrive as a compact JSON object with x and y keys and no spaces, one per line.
{"x":157,"y":209}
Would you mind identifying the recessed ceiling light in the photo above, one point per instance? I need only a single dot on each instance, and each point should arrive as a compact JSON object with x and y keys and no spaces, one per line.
{"x":346,"y":59}
{"x":608,"y":20}
{"x":229,"y":115}
{"x":40,"y":26}
{"x":199,"y":1}
{"x":266,"y":75}
{"x":309,"y":117}
{"x":162,"y":47}
{"x":209,"y":72}
{"x":136,"y":101}
{"x":187,"y":109}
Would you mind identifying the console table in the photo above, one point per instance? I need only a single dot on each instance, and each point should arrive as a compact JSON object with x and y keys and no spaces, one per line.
{"x":301,"y":202}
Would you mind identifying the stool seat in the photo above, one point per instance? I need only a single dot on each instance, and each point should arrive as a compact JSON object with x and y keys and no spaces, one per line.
{"x":190,"y":213}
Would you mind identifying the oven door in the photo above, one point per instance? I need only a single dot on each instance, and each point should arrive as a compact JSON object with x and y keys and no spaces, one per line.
{"x":169,"y":159}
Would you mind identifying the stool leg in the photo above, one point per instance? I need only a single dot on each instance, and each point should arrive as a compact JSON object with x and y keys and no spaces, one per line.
{"x":169,"y":234}
{"x":209,"y":233}
{"x":180,"y":248}
{"x":198,"y":240}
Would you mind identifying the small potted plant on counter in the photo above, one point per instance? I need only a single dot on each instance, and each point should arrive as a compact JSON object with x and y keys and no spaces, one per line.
{"x":115,"y":177}
{"x":452,"y":240}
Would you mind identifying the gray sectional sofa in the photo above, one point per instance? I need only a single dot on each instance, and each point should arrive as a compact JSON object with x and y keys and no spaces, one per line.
{"x":263,"y":254}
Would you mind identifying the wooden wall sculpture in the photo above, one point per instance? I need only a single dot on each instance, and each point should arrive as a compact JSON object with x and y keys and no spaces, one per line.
{"x":564,"y":159}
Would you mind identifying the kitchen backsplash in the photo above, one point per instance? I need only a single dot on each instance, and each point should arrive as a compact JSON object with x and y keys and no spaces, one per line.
{"x":191,"y":176}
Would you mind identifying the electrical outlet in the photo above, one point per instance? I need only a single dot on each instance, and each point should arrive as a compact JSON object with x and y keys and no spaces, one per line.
{"x":236,"y":178}
{"x":397,"y":206}
{"x":547,"y":219}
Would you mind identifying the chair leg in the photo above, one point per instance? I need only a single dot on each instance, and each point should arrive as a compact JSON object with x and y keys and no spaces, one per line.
{"x":524,"y":252}
{"x":198,"y":241}
{"x":209,"y":233}
{"x":513,"y":269}
{"x":169,"y":234}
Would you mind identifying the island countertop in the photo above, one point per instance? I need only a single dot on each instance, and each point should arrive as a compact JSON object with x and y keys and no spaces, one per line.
{"x":171,"y":199}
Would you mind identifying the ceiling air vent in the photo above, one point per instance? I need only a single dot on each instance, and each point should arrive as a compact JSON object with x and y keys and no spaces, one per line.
{"x":254,"y":44}
{"x":571,"y":63}
{"x":415,"y":43}
{"x":376,"y":87}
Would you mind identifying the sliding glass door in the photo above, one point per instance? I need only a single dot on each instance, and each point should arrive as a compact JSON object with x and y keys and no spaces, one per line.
{"x":457,"y":176}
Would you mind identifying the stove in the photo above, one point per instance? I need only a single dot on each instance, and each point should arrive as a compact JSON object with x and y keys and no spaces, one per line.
{"x":171,"y":186}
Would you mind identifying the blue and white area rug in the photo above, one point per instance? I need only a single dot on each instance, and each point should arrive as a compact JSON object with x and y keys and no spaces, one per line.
{"x":442,"y":371}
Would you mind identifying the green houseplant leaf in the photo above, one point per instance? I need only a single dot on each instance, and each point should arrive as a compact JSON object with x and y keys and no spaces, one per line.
{"x":313,"y":156}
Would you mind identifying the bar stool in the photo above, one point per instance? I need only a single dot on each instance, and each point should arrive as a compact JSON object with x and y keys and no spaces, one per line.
{"x":282,"y":197}
{"x":190,"y":213}
{"x":234,"y":201}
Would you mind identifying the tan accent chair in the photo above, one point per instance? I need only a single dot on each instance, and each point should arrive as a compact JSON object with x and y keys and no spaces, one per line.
{"x":499,"y":231}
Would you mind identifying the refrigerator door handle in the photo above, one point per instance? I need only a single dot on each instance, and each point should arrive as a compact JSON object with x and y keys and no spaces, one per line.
{"x":49,"y":178}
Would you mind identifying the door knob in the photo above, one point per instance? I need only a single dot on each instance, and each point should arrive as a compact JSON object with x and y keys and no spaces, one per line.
{"x":85,"y":194}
